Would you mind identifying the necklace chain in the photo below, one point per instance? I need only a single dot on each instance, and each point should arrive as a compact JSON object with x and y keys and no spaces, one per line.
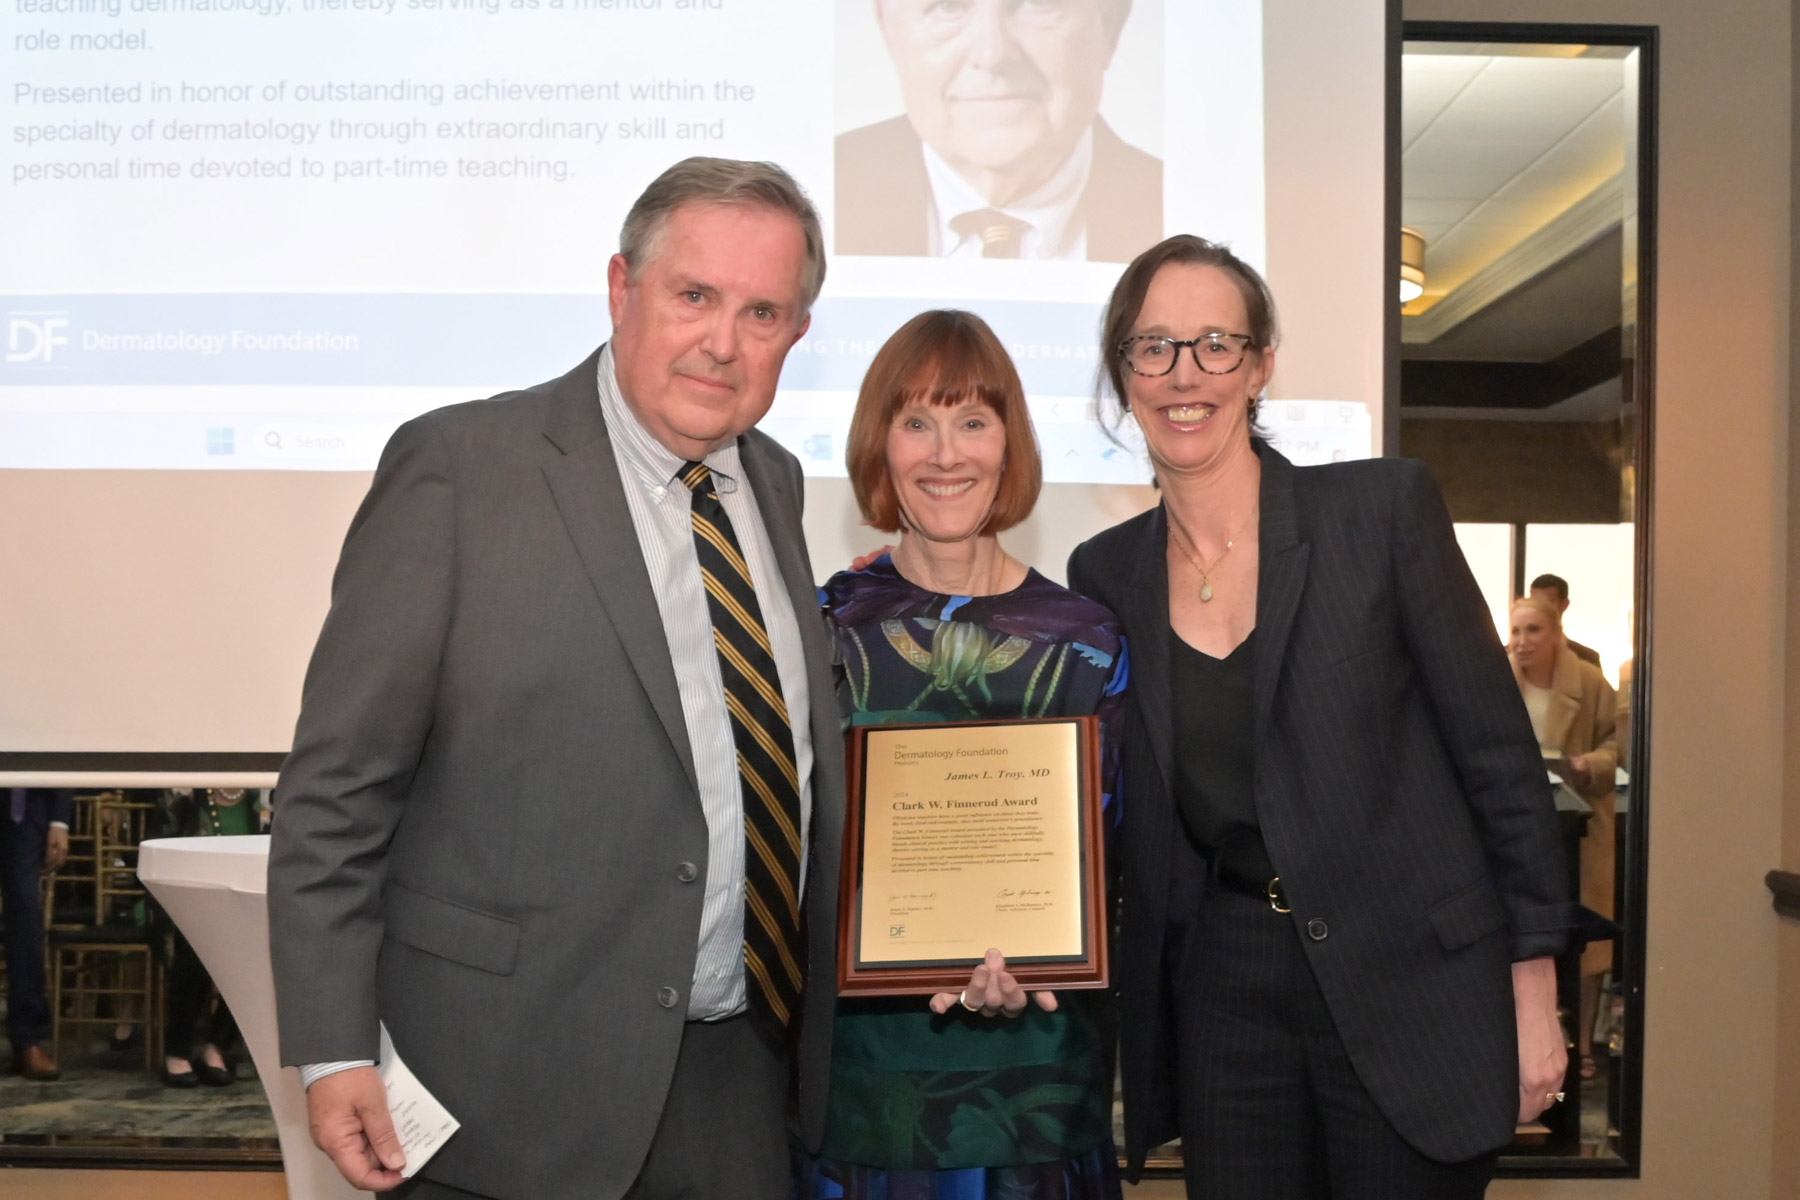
{"x":1205,"y":570}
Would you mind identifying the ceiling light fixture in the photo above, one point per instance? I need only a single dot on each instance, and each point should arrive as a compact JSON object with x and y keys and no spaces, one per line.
{"x":1412,"y":264}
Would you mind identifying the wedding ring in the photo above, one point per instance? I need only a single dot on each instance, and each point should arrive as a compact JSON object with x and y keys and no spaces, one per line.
{"x":1557,"y":1097}
{"x":964,"y":1001}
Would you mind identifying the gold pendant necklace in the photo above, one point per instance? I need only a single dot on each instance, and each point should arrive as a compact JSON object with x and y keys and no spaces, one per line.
{"x":1205,"y":570}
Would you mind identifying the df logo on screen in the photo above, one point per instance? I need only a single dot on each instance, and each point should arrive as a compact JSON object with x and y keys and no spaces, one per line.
{"x":32,"y":337}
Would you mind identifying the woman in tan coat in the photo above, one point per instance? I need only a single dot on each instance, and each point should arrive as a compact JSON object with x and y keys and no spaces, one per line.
{"x":1573,"y":713}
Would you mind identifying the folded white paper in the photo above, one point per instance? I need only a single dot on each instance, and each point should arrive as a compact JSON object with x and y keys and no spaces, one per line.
{"x":422,"y":1123}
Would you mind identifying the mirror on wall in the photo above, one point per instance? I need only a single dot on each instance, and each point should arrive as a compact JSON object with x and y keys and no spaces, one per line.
{"x":124,"y":1053}
{"x":1524,"y":163}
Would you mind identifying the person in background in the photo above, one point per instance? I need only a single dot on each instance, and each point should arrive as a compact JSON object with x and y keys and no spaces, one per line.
{"x":1342,"y":883}
{"x":199,"y":1029}
{"x":983,"y":1095}
{"x":34,"y":840}
{"x":1572,"y":709}
{"x":1554,"y":590}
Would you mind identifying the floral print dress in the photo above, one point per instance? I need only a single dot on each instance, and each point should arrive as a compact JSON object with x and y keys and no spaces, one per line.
{"x":963,"y":1107}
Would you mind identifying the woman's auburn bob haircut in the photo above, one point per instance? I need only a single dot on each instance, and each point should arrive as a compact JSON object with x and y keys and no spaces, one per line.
{"x":942,"y":357}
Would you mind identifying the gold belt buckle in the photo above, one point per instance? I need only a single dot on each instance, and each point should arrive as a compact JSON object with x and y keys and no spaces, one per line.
{"x":1277,"y":901}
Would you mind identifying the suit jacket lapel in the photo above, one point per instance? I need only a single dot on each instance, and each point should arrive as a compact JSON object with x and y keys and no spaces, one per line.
{"x":584,"y":480}
{"x":1281,"y":578}
{"x":1123,"y":198}
{"x":1148,"y":599}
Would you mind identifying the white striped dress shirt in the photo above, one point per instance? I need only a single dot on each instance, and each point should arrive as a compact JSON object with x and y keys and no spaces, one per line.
{"x":1055,"y":226}
{"x":661,"y":511}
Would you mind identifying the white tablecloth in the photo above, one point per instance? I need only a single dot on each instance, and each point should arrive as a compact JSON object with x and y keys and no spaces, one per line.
{"x":216,"y":888}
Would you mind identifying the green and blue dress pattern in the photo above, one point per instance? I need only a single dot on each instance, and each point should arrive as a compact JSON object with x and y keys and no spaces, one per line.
{"x":963,"y":1107}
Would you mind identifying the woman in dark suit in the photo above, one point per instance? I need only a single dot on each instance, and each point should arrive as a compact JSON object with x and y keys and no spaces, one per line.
{"x":1342,"y":884}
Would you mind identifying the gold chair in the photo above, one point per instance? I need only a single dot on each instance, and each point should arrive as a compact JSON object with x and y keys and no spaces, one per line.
{"x":70,"y":902}
{"x":102,"y":971}
{"x":119,"y":825}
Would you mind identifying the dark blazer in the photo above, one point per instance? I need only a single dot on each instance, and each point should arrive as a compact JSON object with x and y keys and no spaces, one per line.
{"x":884,"y":196}
{"x":1586,"y":654}
{"x":480,"y":834}
{"x":1398,"y":786}
{"x":42,"y":805}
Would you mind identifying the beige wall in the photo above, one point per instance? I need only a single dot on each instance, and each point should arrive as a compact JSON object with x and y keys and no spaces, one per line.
{"x":1322,"y":192}
{"x":136,"y":639}
{"x":1720,"y":582}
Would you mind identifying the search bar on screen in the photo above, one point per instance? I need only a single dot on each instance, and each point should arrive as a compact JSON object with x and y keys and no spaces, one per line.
{"x":351,"y":440}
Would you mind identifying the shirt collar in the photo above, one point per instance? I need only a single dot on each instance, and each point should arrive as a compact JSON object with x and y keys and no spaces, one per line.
{"x":654,"y":464}
{"x":1050,"y":210}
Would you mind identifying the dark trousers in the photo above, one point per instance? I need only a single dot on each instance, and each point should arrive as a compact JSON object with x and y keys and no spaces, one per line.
{"x":191,"y":1024}
{"x":723,"y":1133}
{"x":1271,"y":1107}
{"x":21,"y":875}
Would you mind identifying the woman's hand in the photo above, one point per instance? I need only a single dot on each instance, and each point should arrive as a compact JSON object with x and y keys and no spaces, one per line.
{"x":1543,"y":1052}
{"x":992,"y":991}
{"x":1580,"y":774}
{"x":863,"y":562}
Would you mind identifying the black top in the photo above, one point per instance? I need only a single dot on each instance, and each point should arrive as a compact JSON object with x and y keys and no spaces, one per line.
{"x":1215,"y":754}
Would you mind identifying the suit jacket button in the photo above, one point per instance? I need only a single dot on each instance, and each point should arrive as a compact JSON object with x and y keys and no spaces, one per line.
{"x":687,"y":872}
{"x":667,"y":997}
{"x":1316,"y":929}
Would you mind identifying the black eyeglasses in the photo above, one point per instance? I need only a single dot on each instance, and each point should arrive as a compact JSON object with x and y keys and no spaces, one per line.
{"x":1214,"y":353}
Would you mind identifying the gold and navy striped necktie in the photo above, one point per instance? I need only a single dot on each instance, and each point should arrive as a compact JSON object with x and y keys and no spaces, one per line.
{"x":1001,"y":236}
{"x":765,"y":755}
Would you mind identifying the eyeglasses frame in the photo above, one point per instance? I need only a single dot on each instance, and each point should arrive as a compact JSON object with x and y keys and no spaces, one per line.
{"x":1192,"y":344}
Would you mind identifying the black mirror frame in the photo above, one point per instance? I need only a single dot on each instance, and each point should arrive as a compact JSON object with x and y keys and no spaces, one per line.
{"x":1641,"y":395}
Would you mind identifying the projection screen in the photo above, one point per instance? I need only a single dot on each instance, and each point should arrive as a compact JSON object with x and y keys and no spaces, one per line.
{"x":245,"y":239}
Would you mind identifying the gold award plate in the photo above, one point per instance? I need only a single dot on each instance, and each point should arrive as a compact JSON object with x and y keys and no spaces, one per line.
{"x":969,"y":835}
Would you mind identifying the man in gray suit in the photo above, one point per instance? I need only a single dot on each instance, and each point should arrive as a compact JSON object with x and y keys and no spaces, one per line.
{"x":546,"y":816}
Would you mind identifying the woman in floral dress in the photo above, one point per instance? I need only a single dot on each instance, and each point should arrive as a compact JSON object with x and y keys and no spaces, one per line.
{"x":988,"y":1094}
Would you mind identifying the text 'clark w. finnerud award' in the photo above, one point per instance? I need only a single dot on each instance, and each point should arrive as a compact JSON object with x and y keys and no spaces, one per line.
{"x":968,"y":835}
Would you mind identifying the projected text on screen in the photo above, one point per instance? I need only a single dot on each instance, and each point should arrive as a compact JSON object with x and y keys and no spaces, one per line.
{"x":262,"y":233}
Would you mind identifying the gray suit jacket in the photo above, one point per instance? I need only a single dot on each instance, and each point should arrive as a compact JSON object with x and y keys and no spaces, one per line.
{"x":480,"y":831}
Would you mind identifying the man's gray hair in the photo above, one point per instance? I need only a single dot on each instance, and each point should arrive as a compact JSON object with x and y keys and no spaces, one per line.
{"x":728,"y":181}
{"x":1113,"y":15}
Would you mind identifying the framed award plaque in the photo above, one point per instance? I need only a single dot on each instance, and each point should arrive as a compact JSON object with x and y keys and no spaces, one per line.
{"x":967,"y":835}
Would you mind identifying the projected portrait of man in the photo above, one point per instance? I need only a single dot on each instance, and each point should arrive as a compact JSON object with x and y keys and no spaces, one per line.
{"x":1002,"y":152}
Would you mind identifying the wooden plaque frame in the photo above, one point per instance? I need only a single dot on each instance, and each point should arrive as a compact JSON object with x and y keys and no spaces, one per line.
{"x":1090,"y":970}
